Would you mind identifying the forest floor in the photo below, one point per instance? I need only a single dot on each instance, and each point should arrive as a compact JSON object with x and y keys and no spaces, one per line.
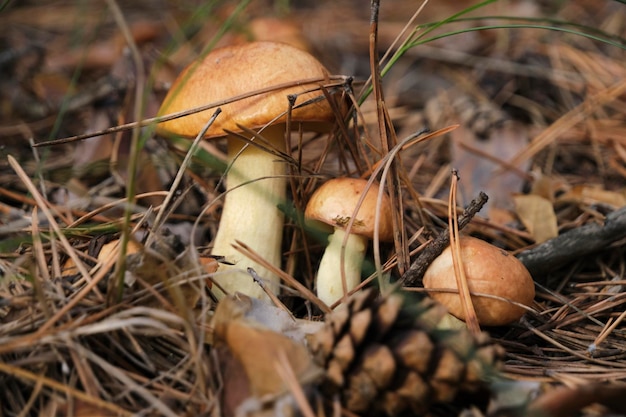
{"x":524,"y":101}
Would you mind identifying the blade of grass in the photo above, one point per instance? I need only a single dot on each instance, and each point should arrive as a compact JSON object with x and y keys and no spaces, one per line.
{"x":418,"y":37}
{"x":116,"y":285}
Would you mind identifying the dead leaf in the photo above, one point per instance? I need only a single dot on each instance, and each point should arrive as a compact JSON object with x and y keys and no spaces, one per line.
{"x":537,"y":215}
{"x":250,"y":353}
{"x":545,"y":186}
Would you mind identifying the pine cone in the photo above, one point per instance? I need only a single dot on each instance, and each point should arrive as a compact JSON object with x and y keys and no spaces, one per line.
{"x":386,"y":356}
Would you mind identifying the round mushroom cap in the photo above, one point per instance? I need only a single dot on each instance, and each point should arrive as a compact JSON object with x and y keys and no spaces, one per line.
{"x":489,"y":270}
{"x":235,"y":70}
{"x":335,"y":201}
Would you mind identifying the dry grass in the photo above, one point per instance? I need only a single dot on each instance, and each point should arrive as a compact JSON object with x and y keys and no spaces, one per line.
{"x":100,"y":341}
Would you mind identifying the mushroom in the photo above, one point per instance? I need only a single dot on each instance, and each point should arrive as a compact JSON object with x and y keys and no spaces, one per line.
{"x":489,"y":271}
{"x":255,"y":181}
{"x":334,"y":204}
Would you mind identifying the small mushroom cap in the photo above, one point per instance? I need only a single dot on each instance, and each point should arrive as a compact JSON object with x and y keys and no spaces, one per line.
{"x":335,"y":201}
{"x":234,"y":70}
{"x":489,"y":270}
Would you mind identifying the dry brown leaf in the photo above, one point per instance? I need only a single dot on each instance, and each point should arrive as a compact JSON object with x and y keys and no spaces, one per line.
{"x":545,"y":186}
{"x":537,"y":215}
{"x":250,"y":352}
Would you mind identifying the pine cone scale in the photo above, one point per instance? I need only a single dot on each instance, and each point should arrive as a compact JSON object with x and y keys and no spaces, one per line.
{"x":386,"y":356}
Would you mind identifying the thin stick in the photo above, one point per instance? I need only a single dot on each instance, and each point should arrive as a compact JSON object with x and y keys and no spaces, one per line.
{"x":388,"y":141}
{"x":261,"y":283}
{"x":287,"y":374}
{"x":335,"y":80}
{"x":574,"y":244}
{"x":414,"y":274}
{"x":181,"y":171}
{"x":41,"y":276}
{"x":306,"y":293}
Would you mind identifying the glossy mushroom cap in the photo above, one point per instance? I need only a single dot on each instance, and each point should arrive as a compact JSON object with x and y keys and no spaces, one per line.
{"x":231,"y":71}
{"x":335,"y":201}
{"x":489,"y":270}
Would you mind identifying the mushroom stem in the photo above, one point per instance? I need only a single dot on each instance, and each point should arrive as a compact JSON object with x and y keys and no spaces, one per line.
{"x":255,"y":185}
{"x":329,"y":282}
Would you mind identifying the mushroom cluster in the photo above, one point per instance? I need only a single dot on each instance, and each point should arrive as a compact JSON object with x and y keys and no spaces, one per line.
{"x":500,"y":284}
{"x":349,"y":207}
{"x":256,"y":180}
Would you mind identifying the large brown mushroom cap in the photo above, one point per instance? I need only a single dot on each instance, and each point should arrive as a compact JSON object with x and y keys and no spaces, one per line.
{"x":241,"y":69}
{"x":489,"y":270}
{"x":335,"y":201}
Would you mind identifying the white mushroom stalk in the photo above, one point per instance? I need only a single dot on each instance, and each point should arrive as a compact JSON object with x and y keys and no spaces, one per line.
{"x":255,"y":184}
{"x":334,"y":204}
{"x":330,"y":276}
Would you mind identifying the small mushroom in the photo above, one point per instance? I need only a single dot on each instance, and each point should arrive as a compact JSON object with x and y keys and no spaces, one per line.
{"x":334,"y":204}
{"x":489,"y":271}
{"x":256,"y":181}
